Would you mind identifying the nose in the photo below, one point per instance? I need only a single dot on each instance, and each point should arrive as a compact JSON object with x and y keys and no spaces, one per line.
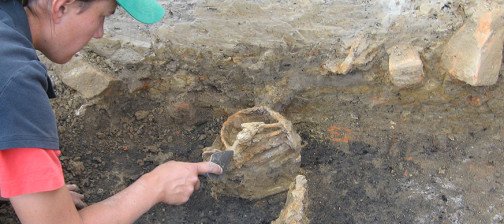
{"x":99,"y":31}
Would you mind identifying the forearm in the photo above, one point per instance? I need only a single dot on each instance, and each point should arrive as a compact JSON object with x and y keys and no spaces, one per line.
{"x":127,"y":205}
{"x":171,"y":183}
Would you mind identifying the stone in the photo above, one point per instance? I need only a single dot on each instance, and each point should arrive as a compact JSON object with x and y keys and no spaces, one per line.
{"x":279,"y":95}
{"x":405,"y":66}
{"x":104,"y":46}
{"x":363,"y":51}
{"x":141,"y":114}
{"x":267,"y":154}
{"x":132,"y":50}
{"x":183,"y":81}
{"x":474,"y":53}
{"x":121,"y":48}
{"x":294,"y":211}
{"x":84,"y":78}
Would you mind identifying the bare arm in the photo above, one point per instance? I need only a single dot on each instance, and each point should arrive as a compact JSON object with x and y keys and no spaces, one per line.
{"x":171,"y":183}
{"x":76,"y":197}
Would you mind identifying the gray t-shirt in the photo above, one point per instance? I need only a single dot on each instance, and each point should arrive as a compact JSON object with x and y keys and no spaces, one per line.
{"x":26,"y":116}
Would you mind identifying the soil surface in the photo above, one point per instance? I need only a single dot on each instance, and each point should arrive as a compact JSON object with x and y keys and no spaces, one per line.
{"x":372,"y":153}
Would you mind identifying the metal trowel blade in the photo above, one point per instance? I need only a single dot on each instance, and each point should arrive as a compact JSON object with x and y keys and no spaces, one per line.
{"x":222,"y":159}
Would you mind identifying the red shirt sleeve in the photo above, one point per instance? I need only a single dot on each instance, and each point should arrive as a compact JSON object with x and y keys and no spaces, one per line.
{"x":29,"y":170}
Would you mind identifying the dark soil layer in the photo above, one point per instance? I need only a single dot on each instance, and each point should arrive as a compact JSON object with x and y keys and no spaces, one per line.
{"x":372,"y":154}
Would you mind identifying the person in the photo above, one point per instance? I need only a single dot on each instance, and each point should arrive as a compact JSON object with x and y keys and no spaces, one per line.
{"x":30,"y":172}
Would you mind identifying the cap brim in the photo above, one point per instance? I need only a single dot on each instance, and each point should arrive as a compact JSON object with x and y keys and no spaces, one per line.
{"x":145,"y":11}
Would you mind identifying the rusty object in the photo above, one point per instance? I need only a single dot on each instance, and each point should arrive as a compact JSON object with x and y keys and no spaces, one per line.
{"x":267,"y":154}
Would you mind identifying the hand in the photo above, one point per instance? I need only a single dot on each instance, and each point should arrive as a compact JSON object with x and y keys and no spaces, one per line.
{"x":76,"y":197}
{"x":178,"y":180}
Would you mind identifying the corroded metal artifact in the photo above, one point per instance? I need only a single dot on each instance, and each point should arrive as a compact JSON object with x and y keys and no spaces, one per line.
{"x":267,"y":154}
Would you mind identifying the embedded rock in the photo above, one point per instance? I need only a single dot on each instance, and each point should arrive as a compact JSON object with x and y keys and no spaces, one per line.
{"x":474,"y":53}
{"x":405,"y":66}
{"x":294,"y":211}
{"x":84,"y":78}
{"x":362,"y":52}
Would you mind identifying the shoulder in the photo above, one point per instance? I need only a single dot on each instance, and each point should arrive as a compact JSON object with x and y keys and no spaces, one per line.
{"x":19,"y":57}
{"x":16,"y":46}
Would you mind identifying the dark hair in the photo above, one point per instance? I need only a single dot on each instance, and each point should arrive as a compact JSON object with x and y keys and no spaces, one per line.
{"x":23,"y":2}
{"x":83,"y":4}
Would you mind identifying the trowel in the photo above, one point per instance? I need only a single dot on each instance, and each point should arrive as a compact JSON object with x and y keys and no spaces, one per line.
{"x":222,"y":159}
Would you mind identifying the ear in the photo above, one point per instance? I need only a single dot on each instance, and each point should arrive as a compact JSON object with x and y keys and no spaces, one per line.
{"x":59,"y":9}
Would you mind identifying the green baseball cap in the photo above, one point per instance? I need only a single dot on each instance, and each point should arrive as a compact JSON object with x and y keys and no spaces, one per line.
{"x":145,"y":11}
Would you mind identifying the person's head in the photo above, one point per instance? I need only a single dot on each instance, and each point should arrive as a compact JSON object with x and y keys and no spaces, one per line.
{"x":61,"y":28}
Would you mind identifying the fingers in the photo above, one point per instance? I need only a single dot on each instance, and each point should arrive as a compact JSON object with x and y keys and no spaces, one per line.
{"x":180,"y":179}
{"x":77,"y":199}
{"x":208,"y":167}
{"x":72,"y":187}
{"x":193,"y":182}
{"x":197,"y":185}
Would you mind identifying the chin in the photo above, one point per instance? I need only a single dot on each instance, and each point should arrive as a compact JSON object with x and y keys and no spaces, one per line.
{"x":60,"y":60}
